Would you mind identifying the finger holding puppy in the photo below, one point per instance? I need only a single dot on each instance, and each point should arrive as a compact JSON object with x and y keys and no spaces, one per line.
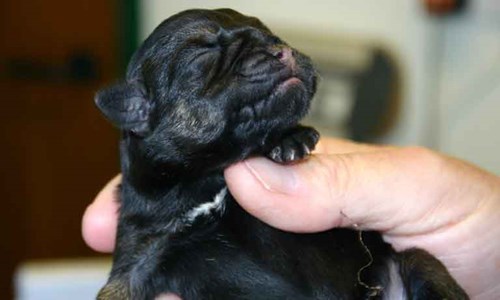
{"x":415,"y":197}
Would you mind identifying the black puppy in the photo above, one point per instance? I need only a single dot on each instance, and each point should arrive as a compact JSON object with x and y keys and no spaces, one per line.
{"x":205,"y":90}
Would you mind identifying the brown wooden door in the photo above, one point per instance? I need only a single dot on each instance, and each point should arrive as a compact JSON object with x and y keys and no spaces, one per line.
{"x":56,"y":150}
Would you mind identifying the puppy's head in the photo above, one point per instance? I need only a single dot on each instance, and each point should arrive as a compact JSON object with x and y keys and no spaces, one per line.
{"x":204,"y":76}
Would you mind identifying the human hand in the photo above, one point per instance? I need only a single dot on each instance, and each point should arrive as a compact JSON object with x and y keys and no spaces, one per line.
{"x":414,"y":197}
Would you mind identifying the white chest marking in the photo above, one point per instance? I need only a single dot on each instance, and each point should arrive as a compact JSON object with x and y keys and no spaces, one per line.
{"x":216,"y":205}
{"x":395,"y":290}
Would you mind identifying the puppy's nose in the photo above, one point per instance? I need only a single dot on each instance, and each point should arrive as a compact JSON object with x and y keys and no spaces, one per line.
{"x":284,"y":54}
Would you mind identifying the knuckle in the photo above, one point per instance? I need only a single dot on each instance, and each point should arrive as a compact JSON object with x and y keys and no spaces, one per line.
{"x":423,"y":156}
{"x":336,"y":172}
{"x":428,"y":166}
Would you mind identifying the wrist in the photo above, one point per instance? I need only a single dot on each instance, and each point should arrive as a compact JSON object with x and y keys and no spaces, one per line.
{"x":472,"y":254}
{"x":469,"y":248}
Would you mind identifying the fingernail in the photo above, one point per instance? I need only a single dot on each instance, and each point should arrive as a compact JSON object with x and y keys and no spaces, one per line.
{"x":272,"y":176}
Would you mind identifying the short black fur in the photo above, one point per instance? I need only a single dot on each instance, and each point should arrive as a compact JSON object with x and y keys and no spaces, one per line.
{"x":209,"y":88}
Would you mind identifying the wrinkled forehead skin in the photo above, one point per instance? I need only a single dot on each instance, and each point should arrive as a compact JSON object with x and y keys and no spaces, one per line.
{"x":188,"y":24}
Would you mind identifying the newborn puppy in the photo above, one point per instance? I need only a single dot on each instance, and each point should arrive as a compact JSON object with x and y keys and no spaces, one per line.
{"x":209,"y":88}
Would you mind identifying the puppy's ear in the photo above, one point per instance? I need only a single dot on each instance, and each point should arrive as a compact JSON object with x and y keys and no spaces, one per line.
{"x":126,"y":106}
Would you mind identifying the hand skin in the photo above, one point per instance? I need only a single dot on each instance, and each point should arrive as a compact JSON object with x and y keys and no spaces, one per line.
{"x":413,"y":196}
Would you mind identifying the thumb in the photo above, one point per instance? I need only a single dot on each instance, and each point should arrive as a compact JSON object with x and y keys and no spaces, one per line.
{"x":390,"y":190}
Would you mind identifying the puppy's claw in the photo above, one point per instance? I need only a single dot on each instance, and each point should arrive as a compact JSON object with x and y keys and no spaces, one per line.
{"x":275,"y":154}
{"x":295,"y":146}
{"x":306,"y":149}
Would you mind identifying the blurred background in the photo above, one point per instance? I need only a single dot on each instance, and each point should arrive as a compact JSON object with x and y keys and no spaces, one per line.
{"x":405,"y":72}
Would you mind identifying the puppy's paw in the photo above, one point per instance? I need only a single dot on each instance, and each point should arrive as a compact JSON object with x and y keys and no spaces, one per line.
{"x":295,"y":146}
{"x":114,"y":290}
